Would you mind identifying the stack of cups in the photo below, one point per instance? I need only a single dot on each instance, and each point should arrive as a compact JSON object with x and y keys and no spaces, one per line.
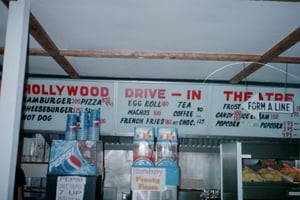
{"x":82,"y":125}
{"x":94,"y":125}
{"x":71,"y":127}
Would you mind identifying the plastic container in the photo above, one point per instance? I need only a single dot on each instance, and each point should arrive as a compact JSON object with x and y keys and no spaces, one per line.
{"x":83,"y":125}
{"x":166,"y":150}
{"x":143,"y":149}
{"x":94,"y":125}
{"x":166,"y":146}
{"x":143,"y":146}
{"x":71,"y":127}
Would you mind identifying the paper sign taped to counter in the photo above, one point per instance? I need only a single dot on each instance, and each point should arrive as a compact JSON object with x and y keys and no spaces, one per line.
{"x":151,"y":179}
{"x":70,"y":187}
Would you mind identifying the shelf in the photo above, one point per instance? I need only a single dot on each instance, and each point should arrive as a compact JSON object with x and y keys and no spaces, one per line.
{"x":35,"y":169}
{"x":34,"y":163}
{"x":35,"y":189}
{"x":268,"y":190}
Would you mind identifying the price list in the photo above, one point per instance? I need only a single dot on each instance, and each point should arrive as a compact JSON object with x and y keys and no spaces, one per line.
{"x":162,"y":104}
{"x":47,"y":102}
{"x":259,"y":112}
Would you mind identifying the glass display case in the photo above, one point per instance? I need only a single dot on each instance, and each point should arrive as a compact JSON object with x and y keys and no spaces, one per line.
{"x":260,"y":170}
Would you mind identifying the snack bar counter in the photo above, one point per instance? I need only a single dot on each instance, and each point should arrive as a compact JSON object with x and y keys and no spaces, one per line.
{"x":260,"y":170}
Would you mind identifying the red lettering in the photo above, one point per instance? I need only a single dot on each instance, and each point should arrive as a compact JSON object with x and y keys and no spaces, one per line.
{"x":94,"y":91}
{"x":267,"y":96}
{"x":36,"y":89}
{"x":44,"y":92}
{"x":193,"y":94}
{"x":104,"y":91}
{"x":152,"y":93}
{"x":72,"y":90}
{"x":161,"y":94}
{"x":84,"y":91}
{"x":289,"y":97}
{"x":247,"y":95}
{"x":260,"y":97}
{"x":145,"y":93}
{"x":129,"y":93}
{"x":27,"y":89}
{"x":139,"y":93}
{"x":51,"y":90}
{"x":238,"y":96}
{"x":60,"y":89}
{"x":227,"y":95}
{"x":278,"y":97}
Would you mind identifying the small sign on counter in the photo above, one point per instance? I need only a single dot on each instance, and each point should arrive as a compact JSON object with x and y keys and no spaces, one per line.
{"x":70,"y":187}
{"x":148,"y":179}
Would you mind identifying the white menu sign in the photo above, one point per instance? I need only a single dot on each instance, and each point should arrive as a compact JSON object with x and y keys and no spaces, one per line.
{"x":271,"y":113}
{"x":47,"y":102}
{"x":162,"y":104}
{"x":193,"y":108}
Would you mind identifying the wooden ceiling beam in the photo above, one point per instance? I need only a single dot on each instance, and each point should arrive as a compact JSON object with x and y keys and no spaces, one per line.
{"x":161,"y":55}
{"x":269,"y":56}
{"x":41,"y":36}
{"x":45,"y":41}
{"x":158,"y":55}
{"x":6,"y":2}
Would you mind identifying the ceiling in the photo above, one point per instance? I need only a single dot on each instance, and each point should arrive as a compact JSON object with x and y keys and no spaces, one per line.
{"x":231,"y":41}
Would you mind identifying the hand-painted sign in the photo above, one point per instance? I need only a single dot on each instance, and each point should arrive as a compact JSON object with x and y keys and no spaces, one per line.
{"x":255,"y":106}
{"x":70,"y":187}
{"x":47,"y":102}
{"x":155,"y":104}
{"x":148,"y":179}
{"x":229,"y":118}
{"x":194,"y":109}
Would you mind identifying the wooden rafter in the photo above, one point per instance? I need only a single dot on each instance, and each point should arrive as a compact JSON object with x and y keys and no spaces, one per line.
{"x":50,"y":49}
{"x":269,"y":56}
{"x":6,"y":2}
{"x":161,"y":55}
{"x":37,"y":31}
{"x":41,"y":36}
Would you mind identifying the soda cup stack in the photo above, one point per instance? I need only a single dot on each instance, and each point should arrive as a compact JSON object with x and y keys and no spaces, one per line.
{"x":71,"y":127}
{"x":94,"y":125}
{"x":83,"y":126}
